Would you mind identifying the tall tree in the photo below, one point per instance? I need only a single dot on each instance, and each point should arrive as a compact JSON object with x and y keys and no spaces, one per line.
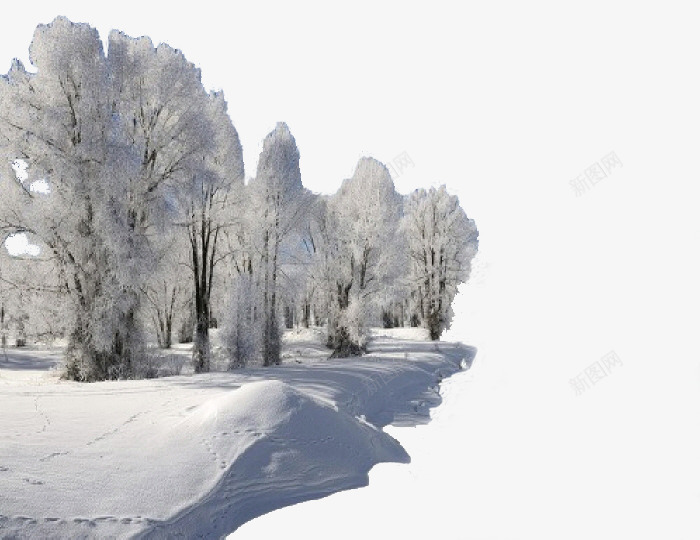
{"x":281,"y":202}
{"x":59,"y":122}
{"x":364,"y":217}
{"x":209,"y":205}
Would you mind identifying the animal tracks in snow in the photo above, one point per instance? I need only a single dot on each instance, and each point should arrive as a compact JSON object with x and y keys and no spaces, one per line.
{"x":115,"y":430}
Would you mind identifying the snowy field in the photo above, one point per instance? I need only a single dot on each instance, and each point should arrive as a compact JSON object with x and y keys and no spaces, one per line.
{"x":197,"y":456}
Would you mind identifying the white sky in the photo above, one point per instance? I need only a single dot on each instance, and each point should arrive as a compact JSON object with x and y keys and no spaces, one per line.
{"x":505,"y":102}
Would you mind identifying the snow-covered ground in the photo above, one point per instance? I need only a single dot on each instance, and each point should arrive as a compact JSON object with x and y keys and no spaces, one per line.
{"x":514,"y":452}
{"x":200,"y":455}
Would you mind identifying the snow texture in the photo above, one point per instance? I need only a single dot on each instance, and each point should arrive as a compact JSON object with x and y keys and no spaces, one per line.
{"x":198,"y":456}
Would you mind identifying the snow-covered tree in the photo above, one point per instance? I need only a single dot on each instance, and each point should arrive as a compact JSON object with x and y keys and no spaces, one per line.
{"x":209,"y":205}
{"x":280,"y":202}
{"x":124,"y":144}
{"x":191,"y":158}
{"x":442,"y":241}
{"x":124,"y":170}
{"x":59,"y":122}
{"x":362,"y":221}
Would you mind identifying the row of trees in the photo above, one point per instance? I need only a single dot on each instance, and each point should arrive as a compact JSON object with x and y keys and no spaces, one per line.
{"x":129,"y":176}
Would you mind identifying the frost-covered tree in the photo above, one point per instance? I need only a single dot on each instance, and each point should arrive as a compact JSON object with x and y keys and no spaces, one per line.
{"x":209,"y":206}
{"x":190,"y":159}
{"x":442,"y":241}
{"x":59,"y":122}
{"x":363,"y":218}
{"x":320,"y":243}
{"x":123,"y":143}
{"x":280,"y":202}
{"x":124,"y":170}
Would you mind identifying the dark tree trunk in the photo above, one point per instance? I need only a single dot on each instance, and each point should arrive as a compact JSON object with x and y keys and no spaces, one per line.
{"x":435,"y":325}
{"x":288,"y":317}
{"x":200,"y":348}
{"x":203,"y":237}
{"x":2,"y":326}
{"x":387,"y":319}
{"x":343,"y":346}
{"x":306,"y":315}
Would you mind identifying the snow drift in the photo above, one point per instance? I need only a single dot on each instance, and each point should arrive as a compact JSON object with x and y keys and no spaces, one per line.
{"x":198,"y":456}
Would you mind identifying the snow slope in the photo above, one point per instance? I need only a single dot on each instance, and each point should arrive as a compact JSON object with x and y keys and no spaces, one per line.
{"x":197,"y":456}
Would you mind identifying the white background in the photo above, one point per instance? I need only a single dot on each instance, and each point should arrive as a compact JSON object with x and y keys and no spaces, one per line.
{"x":506,"y":103}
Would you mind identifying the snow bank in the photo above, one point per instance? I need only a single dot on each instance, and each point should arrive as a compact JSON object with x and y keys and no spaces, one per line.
{"x":201,"y":455}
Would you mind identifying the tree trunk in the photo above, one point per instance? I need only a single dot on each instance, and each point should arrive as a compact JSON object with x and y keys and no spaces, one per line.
{"x":266,"y":298}
{"x":434,"y":324}
{"x":344,"y":346}
{"x":200,"y":347}
{"x":288,"y":317}
{"x":168,"y":332}
{"x":2,"y":326}
{"x":203,"y":243}
{"x":274,"y":348}
{"x":306,"y":314}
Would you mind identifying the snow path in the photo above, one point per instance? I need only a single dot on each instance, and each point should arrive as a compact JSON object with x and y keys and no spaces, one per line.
{"x":198,"y":456}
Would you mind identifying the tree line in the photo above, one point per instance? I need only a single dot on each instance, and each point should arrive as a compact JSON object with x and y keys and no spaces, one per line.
{"x":129,"y":176}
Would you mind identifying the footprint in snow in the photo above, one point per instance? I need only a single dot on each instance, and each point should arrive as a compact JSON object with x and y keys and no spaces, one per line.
{"x":52,"y":455}
{"x":33,"y":482}
{"x":85,"y":521}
